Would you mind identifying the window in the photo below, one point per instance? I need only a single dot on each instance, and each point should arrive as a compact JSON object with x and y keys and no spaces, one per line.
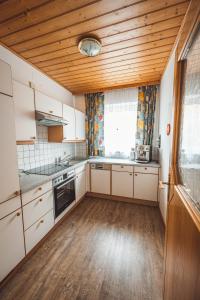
{"x":120,"y":119}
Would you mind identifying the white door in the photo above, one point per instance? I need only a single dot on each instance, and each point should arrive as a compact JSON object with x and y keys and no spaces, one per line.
{"x":69,"y":115}
{"x":122,"y":184}
{"x":145,"y":186}
{"x":80,"y":185}
{"x":5,"y":78}
{"x":11,"y":242}
{"x":47,"y":104}
{"x":100,"y":181}
{"x":9,"y":179}
{"x":80,"y":125}
{"x":25,"y":123}
{"x":166,"y":114}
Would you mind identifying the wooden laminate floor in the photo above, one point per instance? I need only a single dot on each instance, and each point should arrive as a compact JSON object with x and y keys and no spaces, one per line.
{"x":103,"y":250}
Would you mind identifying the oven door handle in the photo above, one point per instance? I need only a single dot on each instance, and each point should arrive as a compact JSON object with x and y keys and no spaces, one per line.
{"x":66,"y":182}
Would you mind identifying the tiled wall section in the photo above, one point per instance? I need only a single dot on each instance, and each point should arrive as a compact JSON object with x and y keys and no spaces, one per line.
{"x":42,"y":152}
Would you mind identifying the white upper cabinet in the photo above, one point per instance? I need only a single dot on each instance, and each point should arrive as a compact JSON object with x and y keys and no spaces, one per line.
{"x":5,"y":78}
{"x":47,"y":104}
{"x":80,"y":125}
{"x":69,"y":115}
{"x":9,"y":179}
{"x":25,"y":123}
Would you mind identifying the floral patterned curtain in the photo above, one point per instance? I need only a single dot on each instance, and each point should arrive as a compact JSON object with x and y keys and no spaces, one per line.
{"x":147,"y":96}
{"x":95,"y":124}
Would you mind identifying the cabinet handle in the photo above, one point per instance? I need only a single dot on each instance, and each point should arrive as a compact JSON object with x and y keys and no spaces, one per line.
{"x":135,"y":174}
{"x":130,"y":174}
{"x":145,"y":168}
{"x":122,"y":166}
{"x":40,"y":188}
{"x":17,"y":193}
{"x":40,"y":199}
{"x":18,"y":214}
{"x":42,"y":221}
{"x":51,"y":111}
{"x":33,"y":138}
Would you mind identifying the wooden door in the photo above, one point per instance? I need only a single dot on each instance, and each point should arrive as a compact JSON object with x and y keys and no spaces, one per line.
{"x":25,"y":123}
{"x":182,"y":246}
{"x":9,"y":179}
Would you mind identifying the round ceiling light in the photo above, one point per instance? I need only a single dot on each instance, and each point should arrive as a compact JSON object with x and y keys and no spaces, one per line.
{"x":89,"y":46}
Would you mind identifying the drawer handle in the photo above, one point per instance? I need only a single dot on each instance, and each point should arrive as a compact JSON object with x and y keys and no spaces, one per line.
{"x":130,"y":174}
{"x":135,"y":174}
{"x":42,"y":221}
{"x":122,"y":166}
{"x":18,"y":214}
{"x":40,"y":188}
{"x":17,"y":193}
{"x":40,"y":200}
{"x":51,"y":111}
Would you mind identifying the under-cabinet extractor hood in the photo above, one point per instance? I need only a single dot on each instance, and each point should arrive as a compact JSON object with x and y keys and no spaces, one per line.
{"x":49,"y":120}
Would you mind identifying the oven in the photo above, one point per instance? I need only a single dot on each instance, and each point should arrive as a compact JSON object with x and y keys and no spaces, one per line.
{"x":64,"y":192}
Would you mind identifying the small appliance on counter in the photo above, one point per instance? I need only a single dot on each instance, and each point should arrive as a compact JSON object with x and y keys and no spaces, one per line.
{"x":143,"y":153}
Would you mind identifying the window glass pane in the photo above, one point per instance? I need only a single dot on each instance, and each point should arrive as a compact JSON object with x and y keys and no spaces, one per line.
{"x":120,"y":118}
{"x":189,"y":149}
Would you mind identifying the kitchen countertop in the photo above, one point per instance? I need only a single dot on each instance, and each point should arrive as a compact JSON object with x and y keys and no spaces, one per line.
{"x":31,"y":181}
{"x":123,"y":161}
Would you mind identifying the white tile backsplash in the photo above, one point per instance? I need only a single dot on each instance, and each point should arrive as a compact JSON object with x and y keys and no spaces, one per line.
{"x":42,"y":152}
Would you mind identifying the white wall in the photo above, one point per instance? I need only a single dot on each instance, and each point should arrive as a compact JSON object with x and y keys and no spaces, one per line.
{"x":79,"y":102}
{"x":166,"y":104}
{"x":24,"y":73}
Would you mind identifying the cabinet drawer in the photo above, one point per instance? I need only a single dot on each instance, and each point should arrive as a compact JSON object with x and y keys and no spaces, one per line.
{"x":9,"y":206}
{"x":37,"y":192}
{"x":37,"y":208}
{"x":122,"y":168}
{"x":150,"y":170}
{"x":38,"y":230}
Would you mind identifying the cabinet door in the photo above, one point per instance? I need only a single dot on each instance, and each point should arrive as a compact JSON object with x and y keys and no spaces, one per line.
{"x":100,"y":181}
{"x":80,"y":185}
{"x":80,"y":125}
{"x":145,"y":186}
{"x":122,"y":184}
{"x":9,"y":179}
{"x":11,"y":242}
{"x":25,"y":123}
{"x":5,"y":78}
{"x":47,"y":104}
{"x":69,"y":115}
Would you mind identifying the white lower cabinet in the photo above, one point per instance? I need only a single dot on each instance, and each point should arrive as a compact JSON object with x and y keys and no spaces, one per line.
{"x":38,"y":230}
{"x":11,"y":242}
{"x":100,"y":181}
{"x":145,"y":186}
{"x":37,"y":208}
{"x":122,"y":184}
{"x":80,"y":185}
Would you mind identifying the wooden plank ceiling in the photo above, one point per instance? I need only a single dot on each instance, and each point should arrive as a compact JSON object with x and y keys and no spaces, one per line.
{"x":137,"y":37}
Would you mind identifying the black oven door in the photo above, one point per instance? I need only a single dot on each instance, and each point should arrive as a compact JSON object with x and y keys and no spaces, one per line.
{"x":64,"y":195}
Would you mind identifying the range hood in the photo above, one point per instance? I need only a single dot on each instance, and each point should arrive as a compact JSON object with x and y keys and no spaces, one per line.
{"x":49,"y":120}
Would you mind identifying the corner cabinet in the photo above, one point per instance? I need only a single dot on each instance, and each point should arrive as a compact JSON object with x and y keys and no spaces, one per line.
{"x":25,"y":123}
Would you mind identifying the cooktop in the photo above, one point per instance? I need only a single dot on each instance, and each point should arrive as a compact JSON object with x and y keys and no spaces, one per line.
{"x":47,"y":169}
